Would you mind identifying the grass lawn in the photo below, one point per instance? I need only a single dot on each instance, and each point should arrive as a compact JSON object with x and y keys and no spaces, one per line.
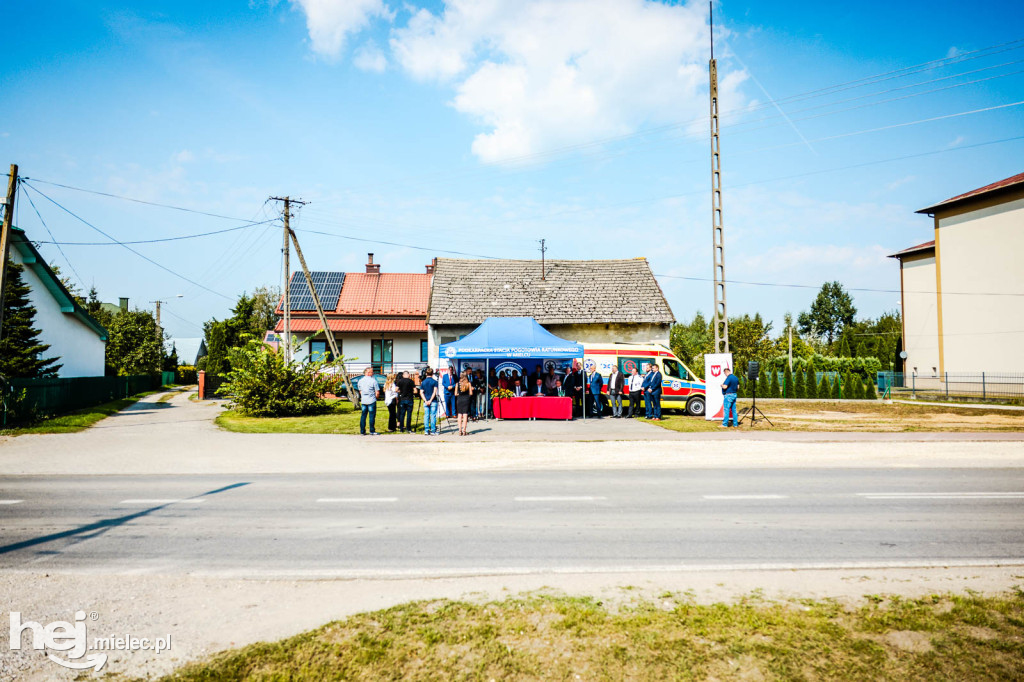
{"x":563,"y":638}
{"x":73,"y":422}
{"x":341,"y":419}
{"x":828,"y":415}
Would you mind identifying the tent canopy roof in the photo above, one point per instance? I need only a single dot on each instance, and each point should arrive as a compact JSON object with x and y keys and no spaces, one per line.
{"x":510,"y":337}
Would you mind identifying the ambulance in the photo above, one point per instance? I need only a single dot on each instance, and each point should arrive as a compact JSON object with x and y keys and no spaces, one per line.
{"x":680,"y":388}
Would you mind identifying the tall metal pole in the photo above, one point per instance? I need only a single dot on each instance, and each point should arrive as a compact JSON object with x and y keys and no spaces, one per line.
{"x":717,"y":229}
{"x":5,"y":237}
{"x":287,"y":286}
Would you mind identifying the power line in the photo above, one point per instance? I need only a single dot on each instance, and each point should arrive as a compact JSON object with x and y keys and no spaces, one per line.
{"x":869,"y":290}
{"x":163,"y":239}
{"x":406,"y":246}
{"x":140,"y":255}
{"x":132,"y":199}
{"x":49,"y":232}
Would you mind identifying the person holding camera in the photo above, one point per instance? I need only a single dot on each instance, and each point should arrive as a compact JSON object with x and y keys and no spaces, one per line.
{"x":730,"y":388}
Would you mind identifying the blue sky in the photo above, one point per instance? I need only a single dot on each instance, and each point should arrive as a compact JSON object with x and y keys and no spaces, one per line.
{"x":481,"y":127}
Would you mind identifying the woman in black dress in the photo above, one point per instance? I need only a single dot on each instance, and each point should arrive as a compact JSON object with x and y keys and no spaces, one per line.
{"x":463,"y":401}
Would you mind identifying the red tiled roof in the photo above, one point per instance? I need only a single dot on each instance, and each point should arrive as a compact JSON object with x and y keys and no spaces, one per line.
{"x":387,"y":293}
{"x":914,"y":249}
{"x":342,"y":324}
{"x":974,"y":193}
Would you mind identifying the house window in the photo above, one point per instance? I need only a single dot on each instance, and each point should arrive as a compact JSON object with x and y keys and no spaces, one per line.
{"x":318,"y":350}
{"x":381,"y":355}
{"x":423,"y":350}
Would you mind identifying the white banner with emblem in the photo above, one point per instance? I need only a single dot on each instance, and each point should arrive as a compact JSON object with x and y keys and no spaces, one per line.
{"x":714,"y":374}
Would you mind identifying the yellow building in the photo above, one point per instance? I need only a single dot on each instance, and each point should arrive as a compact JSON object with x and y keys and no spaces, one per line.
{"x":963,"y":293}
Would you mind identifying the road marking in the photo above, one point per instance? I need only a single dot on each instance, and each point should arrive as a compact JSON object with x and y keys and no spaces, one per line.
{"x":162,"y":501}
{"x":942,"y":496}
{"x":358,"y":499}
{"x":746,"y":497}
{"x":11,"y":501}
{"x":561,"y":498}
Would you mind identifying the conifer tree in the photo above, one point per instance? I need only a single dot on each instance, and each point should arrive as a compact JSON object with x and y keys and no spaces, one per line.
{"x":21,"y":353}
{"x":787,"y":383}
{"x":773,"y":385}
{"x":869,"y":391}
{"x":836,"y":386}
{"x":811,"y":384}
{"x":857,"y":392}
{"x":825,"y":388}
{"x":799,"y":389}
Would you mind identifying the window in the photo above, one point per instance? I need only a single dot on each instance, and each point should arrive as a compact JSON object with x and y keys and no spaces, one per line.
{"x":318,"y":350}
{"x":423,"y":350}
{"x":381,"y":355}
{"x":673,"y":369}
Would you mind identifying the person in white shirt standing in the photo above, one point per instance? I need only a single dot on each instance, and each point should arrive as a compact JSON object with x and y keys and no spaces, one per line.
{"x":368,"y":388}
{"x":636,"y":389}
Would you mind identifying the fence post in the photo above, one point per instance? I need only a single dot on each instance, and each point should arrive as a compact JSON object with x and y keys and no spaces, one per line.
{"x":982,"y":385}
{"x":913,"y":385}
{"x":201,"y":377}
{"x":947,"y":385}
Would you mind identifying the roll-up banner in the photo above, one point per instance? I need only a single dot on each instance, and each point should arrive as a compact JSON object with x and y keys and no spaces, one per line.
{"x":715,"y":365}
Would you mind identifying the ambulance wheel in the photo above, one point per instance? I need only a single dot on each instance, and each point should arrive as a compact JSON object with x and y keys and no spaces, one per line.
{"x":695,"y":407}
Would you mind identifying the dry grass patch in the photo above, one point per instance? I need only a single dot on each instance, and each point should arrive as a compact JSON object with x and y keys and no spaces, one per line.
{"x":563,"y":638}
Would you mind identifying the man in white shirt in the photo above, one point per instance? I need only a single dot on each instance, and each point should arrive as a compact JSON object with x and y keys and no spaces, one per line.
{"x":367,"y":387}
{"x":636,"y":389}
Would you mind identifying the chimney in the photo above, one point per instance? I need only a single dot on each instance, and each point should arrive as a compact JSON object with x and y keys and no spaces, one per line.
{"x":371,"y":267}
{"x":431,"y":266}
{"x":123,"y":303}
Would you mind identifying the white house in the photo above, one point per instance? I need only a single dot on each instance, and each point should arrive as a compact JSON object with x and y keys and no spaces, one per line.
{"x":73,"y":335}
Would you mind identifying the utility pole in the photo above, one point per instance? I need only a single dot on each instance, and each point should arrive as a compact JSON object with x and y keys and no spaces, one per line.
{"x":543,"y":250}
{"x":717,"y":229}
{"x":331,"y":342}
{"x":5,"y":237}
{"x":790,"y":347}
{"x":287,"y":344}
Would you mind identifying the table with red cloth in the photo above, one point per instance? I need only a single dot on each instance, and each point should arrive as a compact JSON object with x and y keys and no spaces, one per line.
{"x":528,"y":407}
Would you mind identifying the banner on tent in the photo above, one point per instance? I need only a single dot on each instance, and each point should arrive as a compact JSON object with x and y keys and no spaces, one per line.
{"x":715,"y":365}
{"x":452,"y":352}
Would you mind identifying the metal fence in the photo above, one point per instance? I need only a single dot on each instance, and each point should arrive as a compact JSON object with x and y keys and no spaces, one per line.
{"x":983,"y":385}
{"x":28,"y":399}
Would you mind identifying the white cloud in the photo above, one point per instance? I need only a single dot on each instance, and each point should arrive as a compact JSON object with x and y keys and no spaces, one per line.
{"x":331,"y":22}
{"x":544,"y":73}
{"x":184,"y":156}
{"x":954,"y":51}
{"x":370,"y":58}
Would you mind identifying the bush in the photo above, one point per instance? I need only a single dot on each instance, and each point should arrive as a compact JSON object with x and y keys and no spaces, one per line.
{"x":836,"y":387}
{"x":869,"y":391}
{"x":857,"y":390}
{"x":773,"y":385}
{"x":811,"y":385}
{"x":825,"y":388}
{"x":799,"y":388}
{"x":787,"y":383}
{"x":262,"y":384}
{"x":186,"y":374}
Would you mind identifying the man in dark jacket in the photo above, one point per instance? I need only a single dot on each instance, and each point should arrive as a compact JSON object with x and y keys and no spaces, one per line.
{"x":596,"y":402}
{"x":406,"y":390}
{"x":616,"y":387}
{"x":652,"y":391}
{"x":573,"y":387}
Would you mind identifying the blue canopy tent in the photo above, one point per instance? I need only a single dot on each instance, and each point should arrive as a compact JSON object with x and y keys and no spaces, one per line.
{"x":506,"y":338}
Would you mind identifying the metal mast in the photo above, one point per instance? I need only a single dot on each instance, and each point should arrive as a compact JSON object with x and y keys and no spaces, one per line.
{"x":721,"y":318}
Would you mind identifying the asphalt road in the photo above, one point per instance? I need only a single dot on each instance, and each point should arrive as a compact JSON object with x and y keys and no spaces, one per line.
{"x":447,"y":523}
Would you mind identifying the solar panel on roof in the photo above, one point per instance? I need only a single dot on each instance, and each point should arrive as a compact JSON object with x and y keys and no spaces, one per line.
{"x":328,"y":288}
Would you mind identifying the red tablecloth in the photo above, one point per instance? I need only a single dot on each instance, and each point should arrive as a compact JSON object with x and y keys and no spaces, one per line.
{"x":532,"y":408}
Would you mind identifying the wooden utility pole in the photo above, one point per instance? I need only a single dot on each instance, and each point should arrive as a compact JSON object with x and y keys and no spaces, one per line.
{"x":717,"y":228}
{"x":287,"y":331}
{"x":5,"y":237}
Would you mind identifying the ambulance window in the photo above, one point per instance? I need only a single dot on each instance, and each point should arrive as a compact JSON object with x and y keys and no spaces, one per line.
{"x":673,"y":369}
{"x":627,"y":365}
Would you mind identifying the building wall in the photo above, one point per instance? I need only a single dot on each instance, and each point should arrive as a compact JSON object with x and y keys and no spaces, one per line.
{"x":356,"y":347}
{"x":584,"y":333}
{"x":981,"y":252}
{"x":920,"y":315}
{"x":80,"y":349}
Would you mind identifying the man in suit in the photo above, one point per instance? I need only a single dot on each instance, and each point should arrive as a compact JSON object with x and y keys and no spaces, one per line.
{"x":652,"y":388}
{"x":616,"y":385}
{"x":573,"y":387}
{"x":596,"y":404}
{"x":448,"y":391}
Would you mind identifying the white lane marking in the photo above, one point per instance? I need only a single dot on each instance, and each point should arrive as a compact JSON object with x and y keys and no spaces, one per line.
{"x":162,"y":501}
{"x":942,"y":496}
{"x":561,"y":498}
{"x":746,"y":497}
{"x":358,"y":499}
{"x":11,"y":501}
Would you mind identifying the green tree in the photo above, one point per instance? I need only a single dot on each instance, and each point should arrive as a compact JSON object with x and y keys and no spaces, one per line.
{"x":869,"y":390}
{"x":857,"y":389}
{"x":787,"y":383}
{"x":799,"y":388}
{"x":170,"y":361}
{"x":262,"y":384}
{"x":21,"y":353}
{"x":688,"y":341}
{"x":811,"y":383}
{"x":844,"y":347}
{"x":134,"y":344}
{"x":831,"y":311}
{"x":217,"y":349}
{"x":824,"y":388}
{"x":837,"y":391}
{"x":773,"y":385}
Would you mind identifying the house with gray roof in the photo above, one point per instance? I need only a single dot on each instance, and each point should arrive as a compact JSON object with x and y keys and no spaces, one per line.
{"x":590,"y":301}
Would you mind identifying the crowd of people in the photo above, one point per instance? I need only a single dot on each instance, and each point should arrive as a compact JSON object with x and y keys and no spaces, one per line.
{"x":465,"y":397}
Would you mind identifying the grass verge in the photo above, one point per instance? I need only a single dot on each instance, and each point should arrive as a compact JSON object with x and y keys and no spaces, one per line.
{"x":946,"y":637}
{"x":342,"y":419}
{"x":78,"y":420}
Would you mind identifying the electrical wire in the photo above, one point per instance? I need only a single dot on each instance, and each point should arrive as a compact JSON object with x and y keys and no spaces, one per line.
{"x":140,"y":255}
{"x":163,"y":239}
{"x":388,"y":243}
{"x":57,"y":244}
{"x":864,"y":289}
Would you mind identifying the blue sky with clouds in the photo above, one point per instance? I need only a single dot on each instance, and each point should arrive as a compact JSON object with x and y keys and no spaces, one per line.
{"x":481,"y":127}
